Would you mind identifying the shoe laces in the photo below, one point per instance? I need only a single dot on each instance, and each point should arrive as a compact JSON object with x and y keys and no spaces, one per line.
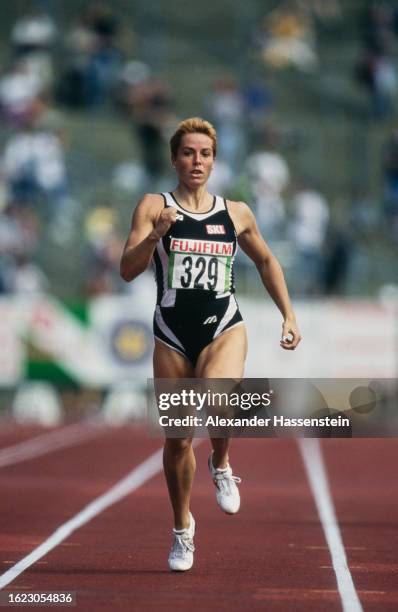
{"x":182,"y":542}
{"x":224,"y":480}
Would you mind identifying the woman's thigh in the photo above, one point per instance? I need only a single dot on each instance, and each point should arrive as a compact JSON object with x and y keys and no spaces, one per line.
{"x":225,"y":356}
{"x":168,"y":363}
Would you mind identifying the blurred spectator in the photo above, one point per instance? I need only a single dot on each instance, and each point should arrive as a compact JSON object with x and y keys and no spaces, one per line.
{"x":106,"y":59}
{"x":221,"y":178}
{"x":104,"y":23}
{"x":365,"y":214}
{"x":74,"y":88}
{"x":94,"y":57}
{"x":33,"y":37}
{"x":225,"y":106}
{"x":149,"y":104}
{"x":34,"y":165}
{"x":376,"y":72}
{"x":375,"y":69}
{"x":287,"y":38}
{"x":18,"y":242}
{"x":337,"y":256}
{"x":35,"y":31}
{"x":129,"y":176}
{"x":104,"y":248}
{"x":21,"y":95}
{"x":10,"y":244}
{"x":258,"y":102}
{"x":307,"y":228}
{"x":270,"y":177}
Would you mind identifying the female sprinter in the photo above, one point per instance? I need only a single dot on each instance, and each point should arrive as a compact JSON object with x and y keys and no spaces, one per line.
{"x":191,"y":238}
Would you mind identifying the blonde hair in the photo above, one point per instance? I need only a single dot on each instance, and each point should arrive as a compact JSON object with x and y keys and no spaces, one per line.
{"x":193,"y":125}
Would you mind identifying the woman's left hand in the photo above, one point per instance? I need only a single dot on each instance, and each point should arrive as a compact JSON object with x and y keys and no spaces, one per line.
{"x":290,"y":335}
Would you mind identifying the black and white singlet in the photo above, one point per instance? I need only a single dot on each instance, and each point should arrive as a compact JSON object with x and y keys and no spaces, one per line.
{"x":195,"y":282}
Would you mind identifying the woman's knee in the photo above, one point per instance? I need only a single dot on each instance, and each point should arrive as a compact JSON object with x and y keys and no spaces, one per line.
{"x":178,"y":446}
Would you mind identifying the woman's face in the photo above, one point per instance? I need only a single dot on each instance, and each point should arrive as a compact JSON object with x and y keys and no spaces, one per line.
{"x":194,"y":160}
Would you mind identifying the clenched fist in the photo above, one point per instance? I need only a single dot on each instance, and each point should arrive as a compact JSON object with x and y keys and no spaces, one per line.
{"x":166,"y":219}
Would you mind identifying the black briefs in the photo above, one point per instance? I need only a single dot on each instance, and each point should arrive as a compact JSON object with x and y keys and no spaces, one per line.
{"x":188,"y":328}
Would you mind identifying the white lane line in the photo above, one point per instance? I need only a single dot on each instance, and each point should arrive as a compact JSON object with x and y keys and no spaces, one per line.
{"x":316,"y":473}
{"x":137,"y":477}
{"x":49,"y":442}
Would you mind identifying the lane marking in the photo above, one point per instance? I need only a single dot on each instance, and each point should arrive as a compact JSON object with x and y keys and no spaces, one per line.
{"x":311,"y":454}
{"x":49,"y":442}
{"x":132,"y":481}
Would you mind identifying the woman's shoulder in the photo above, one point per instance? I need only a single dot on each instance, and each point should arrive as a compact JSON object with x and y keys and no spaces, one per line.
{"x":238,"y":208}
{"x":149,"y":199}
{"x":241,"y":215}
{"x":148,"y":208}
{"x":151,"y":202}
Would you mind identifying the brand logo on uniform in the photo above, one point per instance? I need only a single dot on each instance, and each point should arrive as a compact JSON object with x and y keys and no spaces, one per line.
{"x":202,"y":247}
{"x":212,"y":319}
{"x":215,"y":229}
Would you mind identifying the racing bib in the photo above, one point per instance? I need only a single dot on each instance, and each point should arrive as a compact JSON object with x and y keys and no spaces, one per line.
{"x":200,"y":264}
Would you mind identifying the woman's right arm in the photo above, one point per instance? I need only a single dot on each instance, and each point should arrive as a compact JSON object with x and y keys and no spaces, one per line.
{"x":150,"y":222}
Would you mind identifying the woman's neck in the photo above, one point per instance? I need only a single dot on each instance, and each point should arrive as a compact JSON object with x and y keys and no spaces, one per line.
{"x":197,"y":199}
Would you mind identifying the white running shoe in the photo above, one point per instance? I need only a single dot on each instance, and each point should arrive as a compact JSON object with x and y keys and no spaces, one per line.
{"x":227,"y":492}
{"x":181,"y":553}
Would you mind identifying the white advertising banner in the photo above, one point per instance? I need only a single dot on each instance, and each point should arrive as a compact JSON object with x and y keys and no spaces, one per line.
{"x":341,"y":339}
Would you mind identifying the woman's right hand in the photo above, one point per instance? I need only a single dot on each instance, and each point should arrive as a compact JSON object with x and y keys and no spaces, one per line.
{"x":167,"y":218}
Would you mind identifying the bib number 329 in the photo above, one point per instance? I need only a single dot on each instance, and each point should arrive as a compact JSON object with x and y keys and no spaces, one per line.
{"x":198,"y":272}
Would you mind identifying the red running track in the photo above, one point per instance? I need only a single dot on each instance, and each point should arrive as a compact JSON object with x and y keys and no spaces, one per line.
{"x":271,"y":556}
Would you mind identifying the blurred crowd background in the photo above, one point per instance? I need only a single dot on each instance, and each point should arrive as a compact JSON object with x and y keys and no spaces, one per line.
{"x":303,"y":93}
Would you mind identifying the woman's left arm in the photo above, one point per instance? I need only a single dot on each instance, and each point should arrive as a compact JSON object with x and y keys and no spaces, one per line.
{"x":253,"y":244}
